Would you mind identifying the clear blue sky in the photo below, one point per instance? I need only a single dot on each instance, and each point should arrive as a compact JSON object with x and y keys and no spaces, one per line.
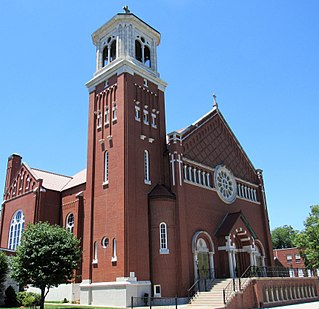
{"x":259,"y":57}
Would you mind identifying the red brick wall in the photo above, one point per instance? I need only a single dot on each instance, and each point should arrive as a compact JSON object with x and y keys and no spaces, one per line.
{"x":281,"y":254}
{"x":253,"y":295}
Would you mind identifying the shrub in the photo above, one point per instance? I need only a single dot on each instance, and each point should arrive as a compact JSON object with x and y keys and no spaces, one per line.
{"x":65,"y":300}
{"x":11,"y":297}
{"x":28,"y":299}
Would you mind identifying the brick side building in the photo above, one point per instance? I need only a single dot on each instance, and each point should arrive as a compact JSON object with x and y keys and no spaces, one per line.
{"x":154,"y":211}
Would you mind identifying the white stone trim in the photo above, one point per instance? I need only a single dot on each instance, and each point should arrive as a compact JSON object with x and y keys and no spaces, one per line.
{"x":125,"y":65}
{"x":198,"y":185}
{"x":198,"y":164}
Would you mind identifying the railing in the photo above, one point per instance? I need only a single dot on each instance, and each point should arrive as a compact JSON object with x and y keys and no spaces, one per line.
{"x":230,"y":289}
{"x":204,"y":282}
{"x":147,"y":301}
{"x":238,"y":284}
{"x":193,"y":290}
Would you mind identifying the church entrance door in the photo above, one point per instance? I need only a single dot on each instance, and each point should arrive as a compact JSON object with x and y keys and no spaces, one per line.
{"x":203,"y":265}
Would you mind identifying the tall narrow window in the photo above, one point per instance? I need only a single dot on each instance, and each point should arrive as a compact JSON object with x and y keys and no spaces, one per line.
{"x":16,"y":229}
{"x":137,"y":113}
{"x":147,"y":167}
{"x":114,"y":112}
{"x":154,"y":125}
{"x":95,"y":253}
{"x":138,"y":51}
{"x":114,"y":255}
{"x":69,"y":222}
{"x":113,"y":51}
{"x":106,"y":168}
{"x":163,"y":238}
{"x":147,"y":56}
{"x":142,"y":51}
{"x":145,"y":117}
{"x":106,"y":116}
{"x":105,"y":59}
{"x":99,"y":119}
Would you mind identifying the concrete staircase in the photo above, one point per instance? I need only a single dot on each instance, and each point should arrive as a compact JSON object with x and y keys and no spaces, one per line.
{"x":212,"y":299}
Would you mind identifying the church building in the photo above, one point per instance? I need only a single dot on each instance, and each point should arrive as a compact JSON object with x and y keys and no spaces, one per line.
{"x":155,"y":211}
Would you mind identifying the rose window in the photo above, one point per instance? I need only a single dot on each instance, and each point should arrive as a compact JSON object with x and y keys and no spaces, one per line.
{"x":225,"y":184}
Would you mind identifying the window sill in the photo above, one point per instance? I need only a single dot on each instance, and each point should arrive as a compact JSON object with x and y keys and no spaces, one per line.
{"x":164,"y":251}
{"x":147,"y":182}
{"x":99,"y":128}
{"x":105,"y":184}
{"x":94,"y":262}
{"x":138,"y":119}
{"x":114,"y":121}
{"x":155,"y":127}
{"x":114,"y":259}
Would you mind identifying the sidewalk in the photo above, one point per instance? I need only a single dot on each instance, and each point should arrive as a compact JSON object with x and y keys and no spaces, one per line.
{"x":312,"y":305}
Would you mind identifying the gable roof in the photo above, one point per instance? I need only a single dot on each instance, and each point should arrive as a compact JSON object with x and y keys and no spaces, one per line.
{"x":51,"y":181}
{"x":161,"y":191}
{"x":228,"y":223}
{"x":77,"y":179}
{"x":186,"y":132}
{"x":54,"y":181}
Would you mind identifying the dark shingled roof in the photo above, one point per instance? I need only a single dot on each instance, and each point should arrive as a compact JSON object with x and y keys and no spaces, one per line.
{"x":229,"y":221}
{"x":161,"y":191}
{"x":226,"y":226}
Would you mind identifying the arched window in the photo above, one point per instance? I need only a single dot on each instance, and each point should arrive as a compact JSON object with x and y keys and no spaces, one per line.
{"x":16,"y":229}
{"x":105,"y":59}
{"x":163,"y":238}
{"x":113,"y":51}
{"x":95,"y":253}
{"x":109,"y":52}
{"x":147,"y":56}
{"x":138,"y":51}
{"x":69,"y":222}
{"x":146,"y":167}
{"x":106,"y":167}
{"x":142,"y":51}
{"x":114,"y":255}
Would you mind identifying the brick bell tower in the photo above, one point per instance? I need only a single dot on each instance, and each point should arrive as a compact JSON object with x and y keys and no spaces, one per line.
{"x":126,"y":145}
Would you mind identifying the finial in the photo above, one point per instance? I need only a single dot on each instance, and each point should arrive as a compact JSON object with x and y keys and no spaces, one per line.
{"x":215,"y":102}
{"x":126,"y":9}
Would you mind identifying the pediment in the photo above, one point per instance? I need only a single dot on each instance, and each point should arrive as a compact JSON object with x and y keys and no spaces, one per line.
{"x":211,"y":142}
{"x":23,"y":182}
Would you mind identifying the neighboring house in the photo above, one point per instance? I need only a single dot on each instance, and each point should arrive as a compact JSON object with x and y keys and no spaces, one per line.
{"x":291,"y":258}
{"x":154,"y":211}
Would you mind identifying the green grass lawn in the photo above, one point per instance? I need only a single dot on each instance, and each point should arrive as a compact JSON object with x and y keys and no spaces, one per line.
{"x":73,"y":306}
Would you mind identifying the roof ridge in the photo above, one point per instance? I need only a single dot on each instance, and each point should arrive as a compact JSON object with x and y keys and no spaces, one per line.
{"x":57,"y":174}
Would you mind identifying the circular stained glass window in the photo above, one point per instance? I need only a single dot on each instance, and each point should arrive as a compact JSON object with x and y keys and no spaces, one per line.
{"x":225,"y":184}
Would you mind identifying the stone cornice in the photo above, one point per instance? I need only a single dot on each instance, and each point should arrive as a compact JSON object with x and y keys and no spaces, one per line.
{"x":123,"y":65}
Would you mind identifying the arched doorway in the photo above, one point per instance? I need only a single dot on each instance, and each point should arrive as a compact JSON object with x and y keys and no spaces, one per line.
{"x":203,"y":253}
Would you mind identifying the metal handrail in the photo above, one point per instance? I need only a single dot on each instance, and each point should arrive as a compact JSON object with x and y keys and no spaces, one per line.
{"x":229,"y":289}
{"x":190,"y":291}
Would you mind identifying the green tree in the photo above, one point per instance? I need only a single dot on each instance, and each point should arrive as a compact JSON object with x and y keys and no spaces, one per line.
{"x":4,"y":269}
{"x":283,"y":237}
{"x":46,"y":257}
{"x":308,"y":239}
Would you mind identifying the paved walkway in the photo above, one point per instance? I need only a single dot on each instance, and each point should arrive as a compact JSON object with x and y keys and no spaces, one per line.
{"x":312,"y":305}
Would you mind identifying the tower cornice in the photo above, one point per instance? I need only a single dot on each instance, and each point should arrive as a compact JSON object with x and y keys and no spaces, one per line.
{"x":125,"y":65}
{"x":124,"y":18}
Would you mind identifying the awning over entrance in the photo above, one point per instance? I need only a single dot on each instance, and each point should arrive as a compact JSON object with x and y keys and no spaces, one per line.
{"x":241,"y":243}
